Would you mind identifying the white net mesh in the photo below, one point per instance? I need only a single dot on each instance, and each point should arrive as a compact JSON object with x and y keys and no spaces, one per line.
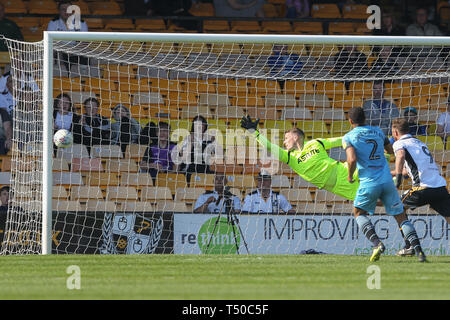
{"x":116,"y":190}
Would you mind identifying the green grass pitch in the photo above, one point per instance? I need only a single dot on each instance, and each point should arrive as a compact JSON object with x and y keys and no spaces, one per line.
{"x":212,"y":277}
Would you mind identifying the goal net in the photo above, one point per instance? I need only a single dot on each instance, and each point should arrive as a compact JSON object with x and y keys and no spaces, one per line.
{"x":156,"y":125}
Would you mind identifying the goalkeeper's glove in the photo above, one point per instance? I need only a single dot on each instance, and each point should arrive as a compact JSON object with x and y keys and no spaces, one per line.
{"x":247,"y":123}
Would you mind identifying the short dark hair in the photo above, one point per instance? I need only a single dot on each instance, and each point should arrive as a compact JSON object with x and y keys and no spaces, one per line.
{"x":4,"y":188}
{"x":91,"y":99}
{"x":163,"y":125}
{"x":401,"y":124}
{"x":357,"y":115}
{"x":60,"y":3}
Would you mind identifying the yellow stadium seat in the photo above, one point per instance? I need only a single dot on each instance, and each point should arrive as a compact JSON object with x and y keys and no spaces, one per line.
{"x":105,"y":8}
{"x":241,"y":181}
{"x":202,"y":9}
{"x":276,"y":27}
{"x":355,"y":11}
{"x":299,"y":87}
{"x":121,"y":165}
{"x":74,"y":151}
{"x":297,"y":195}
{"x":200,"y":86}
{"x":95,"y":23}
{"x":245,"y":26}
{"x":331,"y":88}
{"x":67,"y":84}
{"x":202,"y":180}
{"x":216,"y":26}
{"x":363,"y":89}
{"x":136,"y":179}
{"x":135,"y":151}
{"x":42,"y":7}
{"x":85,"y":192}
{"x":111,"y":99}
{"x":24,"y":21}
{"x":231,"y":87}
{"x":150,"y":24}
{"x":325,"y":114}
{"x":264,"y":87}
{"x":325,"y":10}
{"x":66,"y":205}
{"x":98,"y":85}
{"x":121,"y":193}
{"x":86,"y":165}
{"x":171,"y":180}
{"x":119,"y":24}
{"x":323,"y":50}
{"x":136,"y":206}
{"x":106,"y":151}
{"x":84,"y":9}
{"x":59,"y":192}
{"x":188,"y":194}
{"x":155,"y":194}
{"x":396,"y":90}
{"x":101,"y":179}
{"x":226,"y":48}
{"x":308,"y":27}
{"x":428,"y":90}
{"x":171,"y":206}
{"x":14,"y":6}
{"x":101,"y":205}
{"x":249,"y":101}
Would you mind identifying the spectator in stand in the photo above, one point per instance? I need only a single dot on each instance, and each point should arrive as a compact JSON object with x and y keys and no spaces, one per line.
{"x":388,"y":26}
{"x":297,"y":9}
{"x":422,"y":27}
{"x":385,"y":65}
{"x":179,"y":8}
{"x":193,"y":149}
{"x":65,"y":118}
{"x":125,"y":130}
{"x":350,"y":62}
{"x":6,"y":97}
{"x":379,"y":111}
{"x":415,"y":129}
{"x":28,"y":122}
{"x":149,"y":134}
{"x":443,"y":125}
{"x":8,"y":29}
{"x":95,"y":128}
{"x":6,"y":132}
{"x":4,"y":199}
{"x":60,"y":24}
{"x":264,"y":200}
{"x":282,"y":64}
{"x":213,"y":201}
{"x":158,"y":156}
{"x":239,"y":8}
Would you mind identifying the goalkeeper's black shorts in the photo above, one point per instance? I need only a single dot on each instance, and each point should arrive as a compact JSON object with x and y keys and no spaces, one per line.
{"x":437,"y":198}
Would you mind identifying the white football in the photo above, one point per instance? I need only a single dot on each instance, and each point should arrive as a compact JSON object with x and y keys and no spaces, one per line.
{"x":63,"y":138}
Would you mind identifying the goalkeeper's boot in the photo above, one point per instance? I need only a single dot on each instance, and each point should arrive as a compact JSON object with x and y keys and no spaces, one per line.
{"x":406,"y":252}
{"x":377,"y":251}
{"x":421,"y":256}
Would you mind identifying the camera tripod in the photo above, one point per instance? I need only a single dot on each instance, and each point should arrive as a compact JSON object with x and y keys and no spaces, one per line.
{"x":231,"y":220}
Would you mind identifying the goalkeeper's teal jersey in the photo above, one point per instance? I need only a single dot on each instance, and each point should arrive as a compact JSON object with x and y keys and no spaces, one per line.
{"x":312,"y":163}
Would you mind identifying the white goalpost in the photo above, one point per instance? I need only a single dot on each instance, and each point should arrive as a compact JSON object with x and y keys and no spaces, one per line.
{"x":106,"y":203}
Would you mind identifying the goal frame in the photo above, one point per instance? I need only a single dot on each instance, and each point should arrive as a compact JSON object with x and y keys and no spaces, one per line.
{"x":50,"y":36}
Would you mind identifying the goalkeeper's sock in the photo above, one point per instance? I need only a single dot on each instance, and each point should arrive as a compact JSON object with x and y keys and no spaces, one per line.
{"x":368,"y":229}
{"x":410,"y":235}
{"x":407,"y":243}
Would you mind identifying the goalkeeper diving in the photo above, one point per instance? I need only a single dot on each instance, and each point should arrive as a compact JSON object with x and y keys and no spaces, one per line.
{"x":310,"y":160}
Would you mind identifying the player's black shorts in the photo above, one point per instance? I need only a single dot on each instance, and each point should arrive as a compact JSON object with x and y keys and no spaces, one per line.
{"x":437,"y":198}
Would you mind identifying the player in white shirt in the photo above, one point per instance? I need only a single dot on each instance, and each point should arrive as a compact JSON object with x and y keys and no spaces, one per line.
{"x":264,"y":200}
{"x":213,"y":201}
{"x":413,"y":158}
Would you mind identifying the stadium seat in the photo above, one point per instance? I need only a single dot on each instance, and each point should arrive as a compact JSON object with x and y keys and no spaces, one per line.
{"x":280,"y":181}
{"x":249,"y":101}
{"x":331,"y":88}
{"x":136,"y":179}
{"x":325,"y":196}
{"x":189,"y":195}
{"x":171,"y":180}
{"x":171,"y":206}
{"x":329,"y":114}
{"x":262,"y":113}
{"x":98,"y":85}
{"x":299,"y":182}
{"x":59,"y":164}
{"x":101,"y":179}
{"x":215,"y":26}
{"x":325,"y":10}
{"x":67,"y":178}
{"x":397,"y":90}
{"x":363,"y":89}
{"x":310,"y":208}
{"x":314,"y":101}
{"x":150,"y":24}
{"x":95,"y":23}
{"x":121,"y":193}
{"x":296,"y":113}
{"x":14,"y":6}
{"x":323,"y":50}
{"x":32,"y":34}
{"x":429,"y":90}
{"x":66,"y":205}
{"x":25,"y":21}
{"x":245,"y":26}
{"x":230,"y":112}
{"x":6,"y":164}
{"x":155,"y":194}
{"x":119,"y":24}
{"x":202,"y":9}
{"x":276,"y":27}
{"x":308,"y":27}
{"x":298,"y":88}
{"x":136,"y":206}
{"x":264,"y":87}
{"x":86,"y":165}
{"x":5,"y":178}
{"x":106,"y":151}
{"x":135,"y":151}
{"x":355,"y":11}
{"x":85,"y":192}
{"x":67,"y":84}
{"x":309,"y":127}
{"x":42,"y":7}
{"x":105,"y":8}
{"x":100,"y":205}
{"x":280,"y":100}
{"x":297,"y":195}
{"x":121,"y":165}
{"x":241,"y":181}
{"x":202,"y":180}
{"x":345,"y":28}
{"x":59,"y":192}
{"x":214,"y":100}
{"x":231,"y":87}
{"x":189,"y":112}
{"x":84,"y":9}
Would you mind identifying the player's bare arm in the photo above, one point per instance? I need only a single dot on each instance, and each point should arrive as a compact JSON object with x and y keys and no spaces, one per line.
{"x":351,"y":160}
